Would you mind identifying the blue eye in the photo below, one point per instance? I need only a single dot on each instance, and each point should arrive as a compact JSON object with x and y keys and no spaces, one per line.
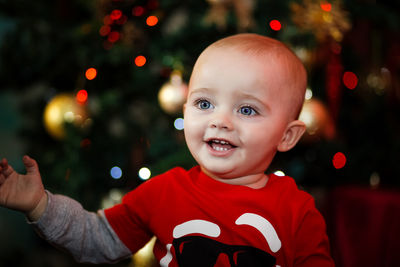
{"x":248,"y":111}
{"x":203,"y":104}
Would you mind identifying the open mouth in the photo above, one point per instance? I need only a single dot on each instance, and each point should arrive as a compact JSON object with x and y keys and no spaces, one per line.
{"x":220,"y":145}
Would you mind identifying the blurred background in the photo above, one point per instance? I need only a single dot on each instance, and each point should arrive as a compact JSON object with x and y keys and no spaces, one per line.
{"x":93,"y":90}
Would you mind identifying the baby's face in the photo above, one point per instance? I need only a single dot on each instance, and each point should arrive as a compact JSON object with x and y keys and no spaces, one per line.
{"x":234,"y":115}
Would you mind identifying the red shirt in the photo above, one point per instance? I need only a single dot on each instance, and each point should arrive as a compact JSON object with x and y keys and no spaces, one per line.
{"x":202,"y":222}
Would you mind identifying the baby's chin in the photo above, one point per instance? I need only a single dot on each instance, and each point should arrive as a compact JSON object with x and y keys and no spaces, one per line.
{"x":225,"y":175}
{"x":219,"y":173}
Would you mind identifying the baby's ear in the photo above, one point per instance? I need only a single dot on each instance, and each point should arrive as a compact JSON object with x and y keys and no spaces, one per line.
{"x":292,"y":135}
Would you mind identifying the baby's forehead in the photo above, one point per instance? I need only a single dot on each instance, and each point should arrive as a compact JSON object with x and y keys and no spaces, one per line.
{"x":252,"y":44}
{"x":255,"y":52}
{"x":266,"y":63}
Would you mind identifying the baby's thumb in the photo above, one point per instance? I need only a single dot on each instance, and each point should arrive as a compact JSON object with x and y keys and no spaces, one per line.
{"x":30,"y":165}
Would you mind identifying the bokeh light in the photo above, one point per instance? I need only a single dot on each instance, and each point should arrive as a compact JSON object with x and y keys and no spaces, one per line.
{"x":279,"y":173}
{"x":82,"y":96}
{"x":309,"y":94}
{"x":350,"y":80}
{"x":151,"y":20}
{"x":375,"y":179}
{"x":140,"y":61}
{"x":144,"y":173}
{"x":116,"y":14}
{"x":325,"y":6}
{"x":152,"y":4}
{"x":86,"y":142}
{"x":275,"y":25}
{"x":116,"y":172}
{"x":112,"y":198}
{"x":122,"y":20}
{"x":116,"y":195}
{"x":69,"y":116}
{"x":138,"y":11}
{"x":113,"y":37}
{"x":105,"y":30}
{"x":178,"y":124}
{"x":91,"y":73}
{"x":107,"y":20}
{"x":339,"y":160}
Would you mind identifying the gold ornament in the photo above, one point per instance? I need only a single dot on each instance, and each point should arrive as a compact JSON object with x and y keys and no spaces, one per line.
{"x":173,"y":94}
{"x":63,"y":109}
{"x":317,"y":119}
{"x":145,"y":257}
{"x":219,"y":11}
{"x":324,"y":19}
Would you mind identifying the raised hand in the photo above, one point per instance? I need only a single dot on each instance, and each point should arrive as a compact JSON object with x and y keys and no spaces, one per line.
{"x":22,"y":192}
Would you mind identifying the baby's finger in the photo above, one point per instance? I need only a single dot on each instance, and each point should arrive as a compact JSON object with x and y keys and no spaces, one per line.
{"x":3,"y":163}
{"x":6,"y":169}
{"x":30,"y":164}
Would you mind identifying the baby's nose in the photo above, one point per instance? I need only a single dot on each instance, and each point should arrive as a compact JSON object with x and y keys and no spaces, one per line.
{"x":221,"y":120}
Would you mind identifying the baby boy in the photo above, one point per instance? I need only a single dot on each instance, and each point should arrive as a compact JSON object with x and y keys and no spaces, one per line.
{"x":245,"y":94}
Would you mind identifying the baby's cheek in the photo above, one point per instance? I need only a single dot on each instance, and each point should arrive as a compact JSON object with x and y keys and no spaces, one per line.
{"x":193,"y":125}
{"x":191,"y":131}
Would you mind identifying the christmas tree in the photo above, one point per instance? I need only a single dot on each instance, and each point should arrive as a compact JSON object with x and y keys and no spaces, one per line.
{"x":94,"y":89}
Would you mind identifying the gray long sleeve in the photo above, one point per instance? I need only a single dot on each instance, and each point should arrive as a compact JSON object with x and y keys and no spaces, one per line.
{"x":87,"y":236}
